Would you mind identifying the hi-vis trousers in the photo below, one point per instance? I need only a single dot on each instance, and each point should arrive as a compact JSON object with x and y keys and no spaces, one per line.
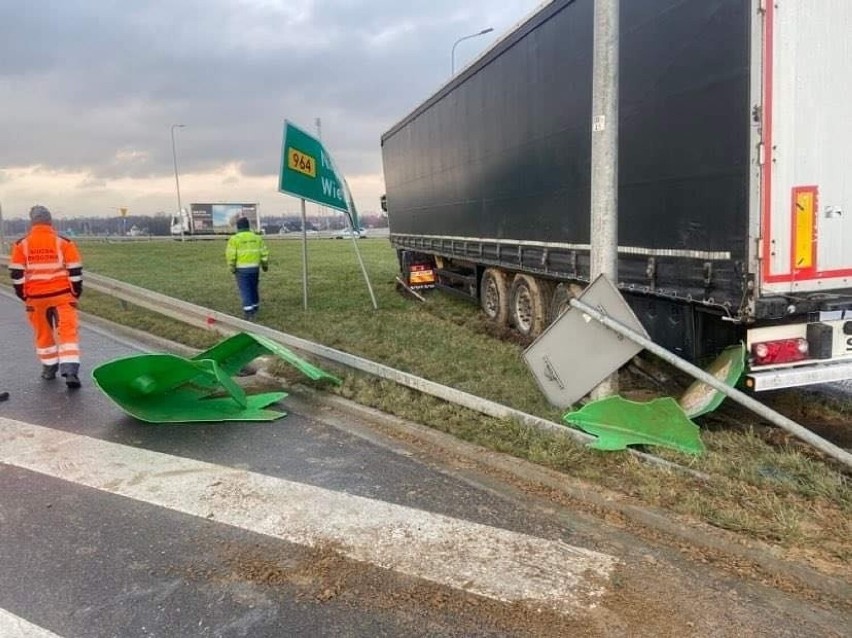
{"x":54,"y":322}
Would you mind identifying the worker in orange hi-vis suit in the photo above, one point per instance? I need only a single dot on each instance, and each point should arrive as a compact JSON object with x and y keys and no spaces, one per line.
{"x":47,"y":273}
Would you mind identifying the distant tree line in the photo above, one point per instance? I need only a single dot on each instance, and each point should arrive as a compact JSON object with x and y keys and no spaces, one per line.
{"x":159,"y":224}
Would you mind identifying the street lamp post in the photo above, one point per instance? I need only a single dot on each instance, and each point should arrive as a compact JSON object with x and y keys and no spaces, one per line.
{"x":177,"y":180}
{"x":462,"y":39}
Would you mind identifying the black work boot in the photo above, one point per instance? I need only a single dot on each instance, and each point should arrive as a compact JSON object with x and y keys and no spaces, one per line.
{"x":70,"y":372}
{"x":48,"y":373}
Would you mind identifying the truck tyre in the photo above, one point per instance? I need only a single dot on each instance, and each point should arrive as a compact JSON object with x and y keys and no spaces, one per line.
{"x":494,"y":295}
{"x":529,"y":301}
{"x":561,"y":300}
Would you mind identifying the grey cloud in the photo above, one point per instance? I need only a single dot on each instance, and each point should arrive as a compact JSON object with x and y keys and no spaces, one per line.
{"x":96,"y":85}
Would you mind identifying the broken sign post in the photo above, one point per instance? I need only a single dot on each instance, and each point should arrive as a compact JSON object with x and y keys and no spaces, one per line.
{"x":576,"y":353}
{"x":618,"y":327}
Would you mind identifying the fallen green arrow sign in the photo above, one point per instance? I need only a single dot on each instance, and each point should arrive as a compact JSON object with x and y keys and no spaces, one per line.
{"x":166,"y":388}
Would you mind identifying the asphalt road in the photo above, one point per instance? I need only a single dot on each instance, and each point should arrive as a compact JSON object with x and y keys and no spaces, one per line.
{"x":84,"y":561}
{"x":308,"y":527}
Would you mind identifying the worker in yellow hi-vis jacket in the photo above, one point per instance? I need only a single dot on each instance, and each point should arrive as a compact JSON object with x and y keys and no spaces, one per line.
{"x":246,"y":254}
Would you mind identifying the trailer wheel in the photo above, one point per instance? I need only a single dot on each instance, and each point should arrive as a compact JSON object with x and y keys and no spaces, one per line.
{"x":494,"y":295}
{"x":529,"y":299}
{"x":561,"y":300}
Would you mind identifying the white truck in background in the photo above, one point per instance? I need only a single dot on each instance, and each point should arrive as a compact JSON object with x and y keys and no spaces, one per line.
{"x":213,"y":219}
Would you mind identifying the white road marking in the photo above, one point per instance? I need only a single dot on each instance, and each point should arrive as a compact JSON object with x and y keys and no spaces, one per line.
{"x":12,"y":626}
{"x":488,"y":561}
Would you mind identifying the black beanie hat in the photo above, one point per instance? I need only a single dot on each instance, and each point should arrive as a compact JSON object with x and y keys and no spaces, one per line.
{"x":242,"y":223}
{"x":40,"y":215}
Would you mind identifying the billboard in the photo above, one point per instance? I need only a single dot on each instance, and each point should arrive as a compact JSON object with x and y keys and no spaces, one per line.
{"x":221,"y":218}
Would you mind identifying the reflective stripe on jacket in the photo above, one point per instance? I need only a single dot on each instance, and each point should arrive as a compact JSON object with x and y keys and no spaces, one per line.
{"x":44,"y":264}
{"x":246,"y":249}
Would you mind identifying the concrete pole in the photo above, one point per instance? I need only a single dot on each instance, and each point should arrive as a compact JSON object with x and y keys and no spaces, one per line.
{"x":604,"y":200}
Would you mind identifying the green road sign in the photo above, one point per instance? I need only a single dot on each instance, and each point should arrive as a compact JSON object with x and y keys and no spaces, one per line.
{"x":307,"y":171}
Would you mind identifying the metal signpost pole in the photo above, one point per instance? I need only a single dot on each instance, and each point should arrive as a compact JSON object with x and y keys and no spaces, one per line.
{"x":177,"y":183}
{"x":304,"y":257}
{"x":604,"y":200}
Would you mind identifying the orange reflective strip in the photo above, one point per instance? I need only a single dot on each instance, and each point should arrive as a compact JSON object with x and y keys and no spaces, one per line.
{"x":46,"y":276}
{"x":54,"y":265}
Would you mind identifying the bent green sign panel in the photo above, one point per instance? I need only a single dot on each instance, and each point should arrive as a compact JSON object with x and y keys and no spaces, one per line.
{"x":307,"y":171}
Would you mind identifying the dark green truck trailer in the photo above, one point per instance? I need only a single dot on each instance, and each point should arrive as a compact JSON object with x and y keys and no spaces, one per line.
{"x":735,"y":196}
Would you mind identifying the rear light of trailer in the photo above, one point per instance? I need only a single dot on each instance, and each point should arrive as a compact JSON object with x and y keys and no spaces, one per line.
{"x":421,"y":275}
{"x":782,"y":351}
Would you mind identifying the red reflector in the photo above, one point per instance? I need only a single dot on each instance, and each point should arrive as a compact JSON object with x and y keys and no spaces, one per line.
{"x":783,"y":351}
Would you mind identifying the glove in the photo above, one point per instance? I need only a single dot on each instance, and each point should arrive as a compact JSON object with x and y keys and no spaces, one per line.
{"x":233,"y":270}
{"x":77,"y":290}
{"x":264,"y":267}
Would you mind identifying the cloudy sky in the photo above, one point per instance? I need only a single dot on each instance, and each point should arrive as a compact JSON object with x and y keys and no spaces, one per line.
{"x":89,"y":90}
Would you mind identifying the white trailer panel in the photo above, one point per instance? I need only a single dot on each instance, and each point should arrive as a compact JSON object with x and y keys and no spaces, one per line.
{"x":807,"y":134}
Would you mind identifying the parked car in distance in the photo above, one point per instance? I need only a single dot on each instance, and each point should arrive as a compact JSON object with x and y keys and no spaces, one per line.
{"x":347,"y":233}
{"x":296,"y":227}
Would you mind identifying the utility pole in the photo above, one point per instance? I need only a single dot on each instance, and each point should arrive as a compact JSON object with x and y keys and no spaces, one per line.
{"x":604,"y":201}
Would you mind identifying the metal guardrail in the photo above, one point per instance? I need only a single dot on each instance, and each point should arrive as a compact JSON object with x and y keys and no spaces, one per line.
{"x":201,"y":317}
{"x":225,"y":324}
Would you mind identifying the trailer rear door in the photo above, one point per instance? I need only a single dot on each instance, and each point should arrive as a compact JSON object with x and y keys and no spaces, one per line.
{"x":806,"y":199}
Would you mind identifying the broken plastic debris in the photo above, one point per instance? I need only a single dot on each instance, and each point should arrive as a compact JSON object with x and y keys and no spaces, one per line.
{"x":700,"y":398}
